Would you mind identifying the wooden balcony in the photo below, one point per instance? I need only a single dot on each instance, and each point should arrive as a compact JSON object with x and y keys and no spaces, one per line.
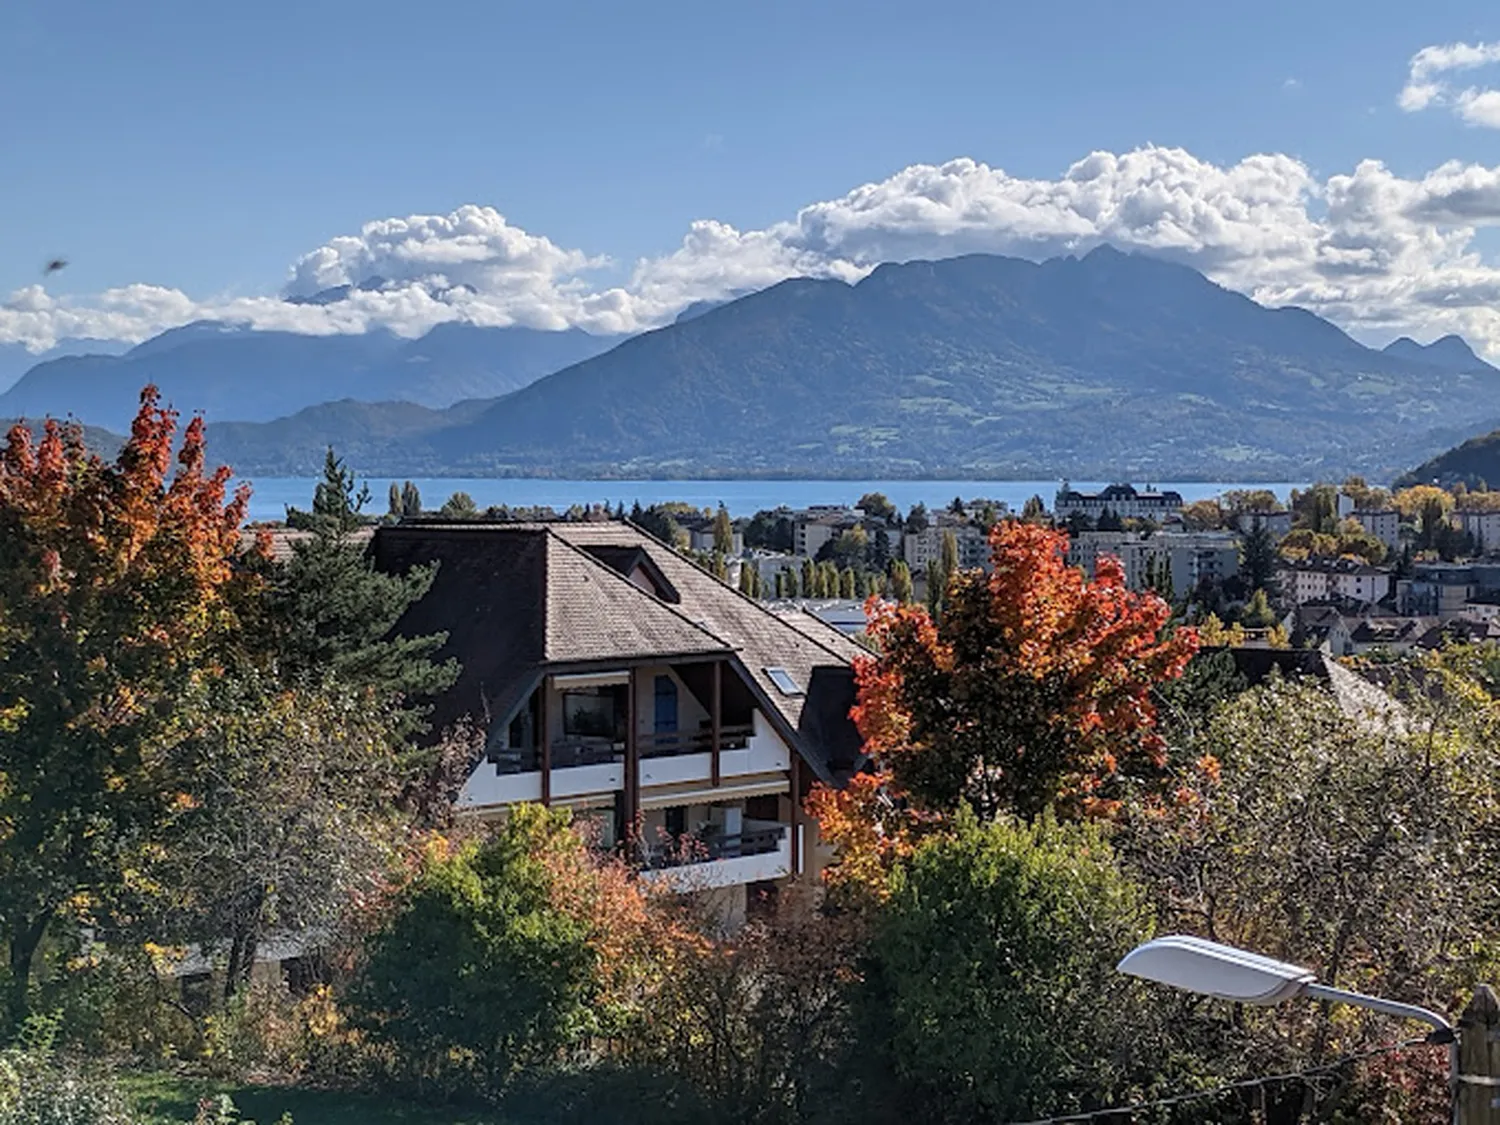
{"x":669,"y":744}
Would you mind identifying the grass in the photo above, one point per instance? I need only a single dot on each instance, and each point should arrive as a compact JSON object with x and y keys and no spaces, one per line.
{"x":165,"y":1099}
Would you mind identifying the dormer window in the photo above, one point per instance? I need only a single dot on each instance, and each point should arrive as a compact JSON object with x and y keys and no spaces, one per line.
{"x":784,"y":681}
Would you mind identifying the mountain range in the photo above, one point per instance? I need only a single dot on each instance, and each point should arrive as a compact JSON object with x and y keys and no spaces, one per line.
{"x":233,"y":373}
{"x":1111,"y":365}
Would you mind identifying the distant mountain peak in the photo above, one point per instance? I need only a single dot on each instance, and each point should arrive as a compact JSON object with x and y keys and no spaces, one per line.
{"x":1450,"y":352}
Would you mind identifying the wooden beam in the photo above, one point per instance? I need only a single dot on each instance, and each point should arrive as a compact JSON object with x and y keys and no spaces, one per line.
{"x":544,"y":725}
{"x":716,"y":722}
{"x":796,"y":811}
{"x":632,"y":763}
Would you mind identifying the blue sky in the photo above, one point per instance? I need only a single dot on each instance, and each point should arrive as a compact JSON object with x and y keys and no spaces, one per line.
{"x":204,"y":148}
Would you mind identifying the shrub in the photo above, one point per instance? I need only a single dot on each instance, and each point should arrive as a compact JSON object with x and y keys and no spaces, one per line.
{"x":989,"y":991}
{"x":503,"y":954}
{"x":39,"y":1088}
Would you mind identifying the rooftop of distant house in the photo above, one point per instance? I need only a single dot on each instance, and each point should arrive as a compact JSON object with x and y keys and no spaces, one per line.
{"x":1121,"y":493}
{"x":1320,"y":565}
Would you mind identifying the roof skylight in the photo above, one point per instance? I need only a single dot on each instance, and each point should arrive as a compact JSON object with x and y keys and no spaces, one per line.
{"x":783,"y":681}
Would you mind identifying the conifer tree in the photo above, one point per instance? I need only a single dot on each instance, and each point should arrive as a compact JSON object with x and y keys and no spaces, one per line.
{"x":937,"y":585}
{"x":336,"y":502}
{"x":950,"y":553}
{"x":411,"y":500}
{"x":723,"y":532}
{"x":901,"y":581}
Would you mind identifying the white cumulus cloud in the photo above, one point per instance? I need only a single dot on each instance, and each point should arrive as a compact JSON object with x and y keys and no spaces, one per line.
{"x":1376,"y":252}
{"x":1428,"y":82}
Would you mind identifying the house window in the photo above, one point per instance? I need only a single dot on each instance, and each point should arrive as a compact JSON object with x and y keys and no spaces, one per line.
{"x":594,"y":714}
{"x":666,"y":705}
{"x":783,"y":681}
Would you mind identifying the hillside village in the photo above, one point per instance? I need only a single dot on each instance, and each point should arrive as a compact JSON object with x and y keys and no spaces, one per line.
{"x":1353,"y":569}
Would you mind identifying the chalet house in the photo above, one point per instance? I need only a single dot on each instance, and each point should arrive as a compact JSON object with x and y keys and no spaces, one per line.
{"x":614,"y":677}
{"x":1392,"y":635}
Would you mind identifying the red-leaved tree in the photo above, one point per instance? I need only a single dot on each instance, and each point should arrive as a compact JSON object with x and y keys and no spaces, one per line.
{"x":116,"y":584}
{"x":1034,"y":690}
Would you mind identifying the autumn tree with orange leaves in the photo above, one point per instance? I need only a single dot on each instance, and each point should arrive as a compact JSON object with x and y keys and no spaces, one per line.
{"x":116,"y":591}
{"x":1033,"y":691}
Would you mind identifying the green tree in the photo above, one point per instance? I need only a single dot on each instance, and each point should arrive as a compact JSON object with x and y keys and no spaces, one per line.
{"x":747,"y":580}
{"x":393,"y":504}
{"x":293,"y":813}
{"x":411,"y":500}
{"x":809,"y":579}
{"x":1034,"y":509}
{"x":917,"y":520}
{"x":956,"y":507}
{"x":769,"y":530}
{"x":1363,"y":848}
{"x":657,"y":522}
{"x":949,"y":559}
{"x":937,"y":588}
{"x":503,"y":954}
{"x":1259,"y":559}
{"x":328,"y":617}
{"x":1185,"y":705}
{"x":847,"y":583}
{"x":723,"y":532}
{"x":1203,"y":515}
{"x":1239,"y":501}
{"x":1257,"y":613}
{"x":878,"y":555}
{"x":994,"y":942}
{"x":878,"y":506}
{"x":1317,"y":509}
{"x":336,"y":500}
{"x":901,"y":586}
{"x":459,"y":506}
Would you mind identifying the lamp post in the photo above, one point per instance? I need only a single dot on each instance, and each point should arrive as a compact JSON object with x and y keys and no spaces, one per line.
{"x":1210,"y":969}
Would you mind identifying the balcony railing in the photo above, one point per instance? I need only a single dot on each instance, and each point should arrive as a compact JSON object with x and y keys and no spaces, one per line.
{"x":669,"y":744}
{"x":566,"y":752}
{"x":760,"y":839}
{"x":585,"y":751}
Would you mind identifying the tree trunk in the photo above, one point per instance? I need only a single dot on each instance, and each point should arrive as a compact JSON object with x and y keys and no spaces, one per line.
{"x":24,"y":942}
{"x":243,"y":946}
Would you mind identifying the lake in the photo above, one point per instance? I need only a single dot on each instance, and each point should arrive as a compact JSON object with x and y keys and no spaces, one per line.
{"x":741,"y":497}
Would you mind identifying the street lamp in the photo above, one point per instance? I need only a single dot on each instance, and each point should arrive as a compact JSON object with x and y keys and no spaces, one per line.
{"x":1210,"y":969}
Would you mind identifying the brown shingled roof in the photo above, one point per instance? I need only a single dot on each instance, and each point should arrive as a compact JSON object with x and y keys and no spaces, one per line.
{"x":763,"y":638}
{"x":516,"y":598}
